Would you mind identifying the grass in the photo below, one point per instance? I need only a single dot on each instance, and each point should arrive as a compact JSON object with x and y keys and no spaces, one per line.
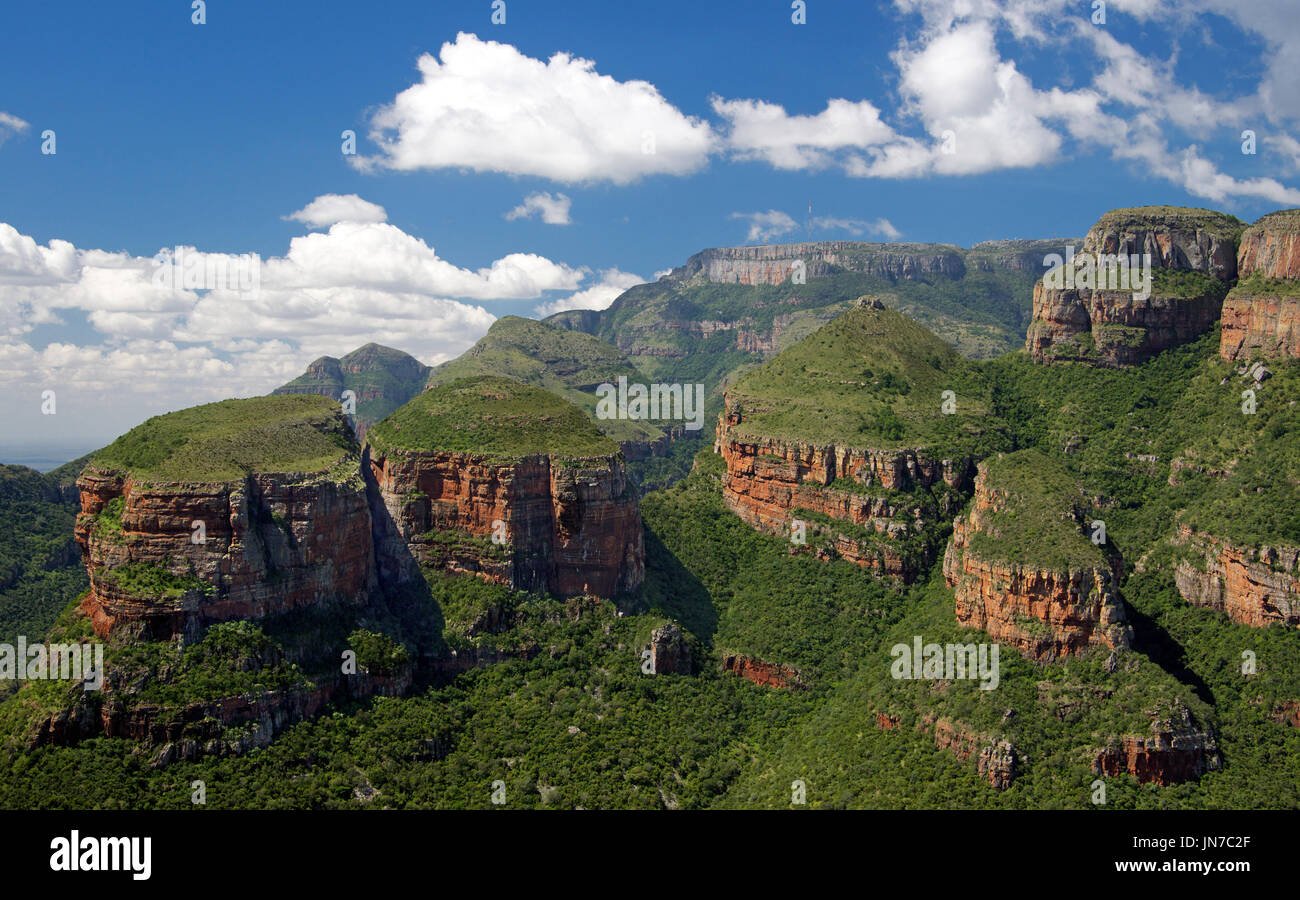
{"x":141,"y":579}
{"x":226,"y":441}
{"x":496,"y":417}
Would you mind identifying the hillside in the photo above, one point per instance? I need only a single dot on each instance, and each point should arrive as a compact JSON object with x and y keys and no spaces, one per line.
{"x":494,"y":417}
{"x":381,"y":378}
{"x":569,"y":364}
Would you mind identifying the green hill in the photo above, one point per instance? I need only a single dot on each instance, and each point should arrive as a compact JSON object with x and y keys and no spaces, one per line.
{"x":498,"y":417}
{"x":871,"y":378}
{"x":570,"y":364}
{"x":227,"y":440}
{"x":382,"y":379}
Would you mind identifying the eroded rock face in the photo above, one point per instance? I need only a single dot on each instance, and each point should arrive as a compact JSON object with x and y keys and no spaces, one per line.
{"x":765,"y":674}
{"x":270,"y":544}
{"x":1110,"y":325}
{"x":771,"y":264}
{"x":670,"y":654}
{"x":1253,"y":586}
{"x":1261,"y":317}
{"x":1045,"y":614}
{"x":768,"y":479}
{"x":564,"y":527}
{"x":1176,"y":751}
{"x":995,"y":759}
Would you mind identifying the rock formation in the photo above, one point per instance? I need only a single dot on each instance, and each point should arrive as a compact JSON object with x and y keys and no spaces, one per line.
{"x":1059,"y":606}
{"x":565,"y":521}
{"x":1253,"y":586}
{"x":774,"y":263}
{"x":1261,"y":315}
{"x":670,"y":654}
{"x":1176,"y":750}
{"x":1108,"y":324}
{"x":764,"y":674}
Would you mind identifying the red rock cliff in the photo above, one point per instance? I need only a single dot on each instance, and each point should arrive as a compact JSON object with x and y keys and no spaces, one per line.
{"x":1253,"y":586}
{"x":1118,"y":327}
{"x":568,"y":527}
{"x":768,"y":479}
{"x":1262,"y":314}
{"x":1043,"y":613}
{"x":271,"y":543}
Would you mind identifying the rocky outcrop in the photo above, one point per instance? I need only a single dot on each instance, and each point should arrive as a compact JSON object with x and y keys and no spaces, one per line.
{"x":209,"y":552}
{"x":764,"y":674}
{"x":1044,"y":613}
{"x":670,"y":654}
{"x":1261,"y":315}
{"x":995,"y":758}
{"x":537,"y":523}
{"x":768,"y":479}
{"x":774,"y":263}
{"x":1176,"y":751}
{"x":380,"y":379}
{"x":1111,"y":324}
{"x":1254,"y":586}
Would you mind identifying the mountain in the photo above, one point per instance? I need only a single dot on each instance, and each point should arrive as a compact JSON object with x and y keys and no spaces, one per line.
{"x":381,"y":378}
{"x":728,"y":309}
{"x":502,"y":479}
{"x":569,"y":364}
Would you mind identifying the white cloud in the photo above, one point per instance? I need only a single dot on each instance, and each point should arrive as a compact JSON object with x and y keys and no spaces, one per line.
{"x":759,"y":130}
{"x":764,"y":226}
{"x":599,"y":296}
{"x":161,"y":346}
{"x":881,"y":227}
{"x":487,"y":107}
{"x":553,"y":208}
{"x":10,"y":125}
{"x":330,"y":209}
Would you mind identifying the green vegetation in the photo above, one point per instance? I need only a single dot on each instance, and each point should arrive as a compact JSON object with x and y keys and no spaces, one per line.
{"x":378,"y":654}
{"x":382,"y":379}
{"x":1185,"y":284}
{"x":145,"y":580}
{"x":1258,"y":285}
{"x":1214,"y":223}
{"x":225,"y":441}
{"x":497,"y":417}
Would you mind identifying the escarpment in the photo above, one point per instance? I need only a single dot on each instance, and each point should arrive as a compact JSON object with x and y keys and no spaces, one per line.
{"x":177,"y":543}
{"x":842,"y":444}
{"x":1254,"y":586}
{"x":1024,"y":571}
{"x":1261,"y":315}
{"x":1105,"y":307}
{"x":1175,"y":750}
{"x":778,"y":263}
{"x":509,"y":482}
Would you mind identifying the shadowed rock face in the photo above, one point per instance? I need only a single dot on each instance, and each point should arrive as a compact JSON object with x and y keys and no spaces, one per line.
{"x":1044,"y":613}
{"x":1252,"y":586}
{"x":271,"y":543}
{"x":1110,"y":328}
{"x":1262,"y":314}
{"x":565,"y":527}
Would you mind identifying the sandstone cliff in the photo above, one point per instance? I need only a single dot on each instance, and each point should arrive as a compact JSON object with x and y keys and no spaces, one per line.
{"x":1261,"y":315}
{"x":1110,"y":324}
{"x":542,"y":502}
{"x":1176,"y":750}
{"x":1050,"y":599}
{"x":1254,"y":586}
{"x":772,"y":263}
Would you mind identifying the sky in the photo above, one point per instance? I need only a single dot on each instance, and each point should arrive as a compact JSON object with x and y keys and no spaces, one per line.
{"x":198,"y":200}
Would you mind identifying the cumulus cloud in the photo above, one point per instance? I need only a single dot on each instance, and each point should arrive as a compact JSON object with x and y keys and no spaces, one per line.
{"x":759,"y":130}
{"x":881,"y":227}
{"x":485,"y":106}
{"x":552,"y":208}
{"x":765,"y":226}
{"x":10,"y":125}
{"x":162,"y":340}
{"x":599,"y":296}
{"x":330,"y":209}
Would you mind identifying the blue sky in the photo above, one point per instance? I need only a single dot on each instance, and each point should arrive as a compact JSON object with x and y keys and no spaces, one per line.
{"x":210,"y":136}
